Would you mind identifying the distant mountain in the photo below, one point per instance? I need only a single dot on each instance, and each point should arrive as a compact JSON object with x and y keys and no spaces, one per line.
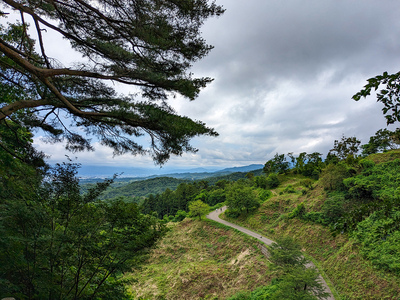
{"x":87,"y":172}
{"x":243,"y":169}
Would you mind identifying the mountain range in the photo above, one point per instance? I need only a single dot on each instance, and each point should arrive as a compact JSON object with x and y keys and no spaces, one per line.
{"x":86,"y":172}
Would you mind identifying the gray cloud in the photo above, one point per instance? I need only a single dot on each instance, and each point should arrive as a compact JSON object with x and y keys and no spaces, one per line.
{"x":284,"y":74}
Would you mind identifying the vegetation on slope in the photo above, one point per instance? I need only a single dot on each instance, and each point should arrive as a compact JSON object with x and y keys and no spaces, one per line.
{"x":346,"y":220}
{"x":200,"y":260}
{"x":303,"y":213}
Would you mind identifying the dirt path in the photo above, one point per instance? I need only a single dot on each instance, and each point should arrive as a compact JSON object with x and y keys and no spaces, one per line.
{"x":215,"y":217}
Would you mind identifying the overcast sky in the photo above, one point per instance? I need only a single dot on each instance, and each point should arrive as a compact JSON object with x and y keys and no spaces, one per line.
{"x":285,"y":72}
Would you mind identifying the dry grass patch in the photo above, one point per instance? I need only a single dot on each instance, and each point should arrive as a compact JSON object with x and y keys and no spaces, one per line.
{"x":197,"y":260}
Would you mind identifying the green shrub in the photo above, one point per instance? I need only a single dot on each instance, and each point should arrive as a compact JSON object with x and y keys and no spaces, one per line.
{"x":307,"y":183}
{"x":180,"y":216}
{"x":333,"y":208}
{"x":316,"y":217}
{"x":272,"y":181}
{"x":232,"y":213}
{"x":289,"y":189}
{"x":379,"y":236}
{"x":261,"y":181}
{"x":299,"y":211}
{"x":366,"y":163}
{"x":377,"y":182}
{"x":332,"y":176}
{"x":264,"y":195}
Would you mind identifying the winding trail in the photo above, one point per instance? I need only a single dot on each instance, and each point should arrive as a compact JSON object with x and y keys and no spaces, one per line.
{"x":214,"y":215}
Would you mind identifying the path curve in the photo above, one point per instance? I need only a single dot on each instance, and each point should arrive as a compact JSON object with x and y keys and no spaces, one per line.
{"x":214,"y":215}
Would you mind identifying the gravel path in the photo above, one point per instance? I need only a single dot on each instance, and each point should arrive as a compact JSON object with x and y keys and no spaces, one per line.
{"x":214,"y":215}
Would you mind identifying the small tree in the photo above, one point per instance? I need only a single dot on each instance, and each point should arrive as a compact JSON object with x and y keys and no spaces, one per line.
{"x":198,"y":209}
{"x":241,"y":198}
{"x":295,"y":280}
{"x":278,"y":164}
{"x":346,"y":147}
{"x":260,"y":181}
{"x":286,"y":253}
{"x":272,"y":181}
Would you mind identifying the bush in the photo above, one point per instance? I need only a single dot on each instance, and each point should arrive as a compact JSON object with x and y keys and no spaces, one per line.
{"x":379,"y":236}
{"x":264,"y":195}
{"x":260,"y":182}
{"x":366,"y":163}
{"x":332,"y":176}
{"x":299,"y":211}
{"x":272,"y":181}
{"x":333,"y":208}
{"x":316,"y":217}
{"x":289,"y":189}
{"x":180,"y":216}
{"x":232,"y":213}
{"x":377,"y":182}
{"x":307,"y":183}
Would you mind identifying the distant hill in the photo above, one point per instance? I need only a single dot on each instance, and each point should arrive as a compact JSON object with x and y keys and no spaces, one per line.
{"x":95,"y":174}
{"x":243,"y":169}
{"x":135,"y":187}
{"x":142,"y":187}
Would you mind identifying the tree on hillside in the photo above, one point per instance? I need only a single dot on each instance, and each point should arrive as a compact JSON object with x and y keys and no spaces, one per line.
{"x":276,"y":165}
{"x":149,"y":45}
{"x":295,"y":280}
{"x":346,"y":147}
{"x":198,"y":209}
{"x":241,"y":198}
{"x":307,"y":164}
{"x":21,"y":167}
{"x":260,"y":182}
{"x":383,"y":140}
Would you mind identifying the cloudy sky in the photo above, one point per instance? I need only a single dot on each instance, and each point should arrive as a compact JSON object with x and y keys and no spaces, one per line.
{"x":285,"y":72}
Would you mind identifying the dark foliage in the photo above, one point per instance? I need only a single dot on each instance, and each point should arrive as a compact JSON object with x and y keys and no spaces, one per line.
{"x":56,"y":243}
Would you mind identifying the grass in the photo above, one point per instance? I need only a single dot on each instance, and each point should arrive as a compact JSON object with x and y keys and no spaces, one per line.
{"x":200,"y":260}
{"x":337,"y":256}
{"x":385,"y":157}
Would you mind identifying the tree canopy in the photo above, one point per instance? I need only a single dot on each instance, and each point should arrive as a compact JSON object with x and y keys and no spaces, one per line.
{"x":346,"y":147}
{"x":57,"y":243}
{"x":147,"y":44}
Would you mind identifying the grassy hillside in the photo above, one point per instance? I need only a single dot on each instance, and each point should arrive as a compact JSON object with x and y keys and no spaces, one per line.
{"x":385,"y":157}
{"x":337,"y":254}
{"x":200,"y":260}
